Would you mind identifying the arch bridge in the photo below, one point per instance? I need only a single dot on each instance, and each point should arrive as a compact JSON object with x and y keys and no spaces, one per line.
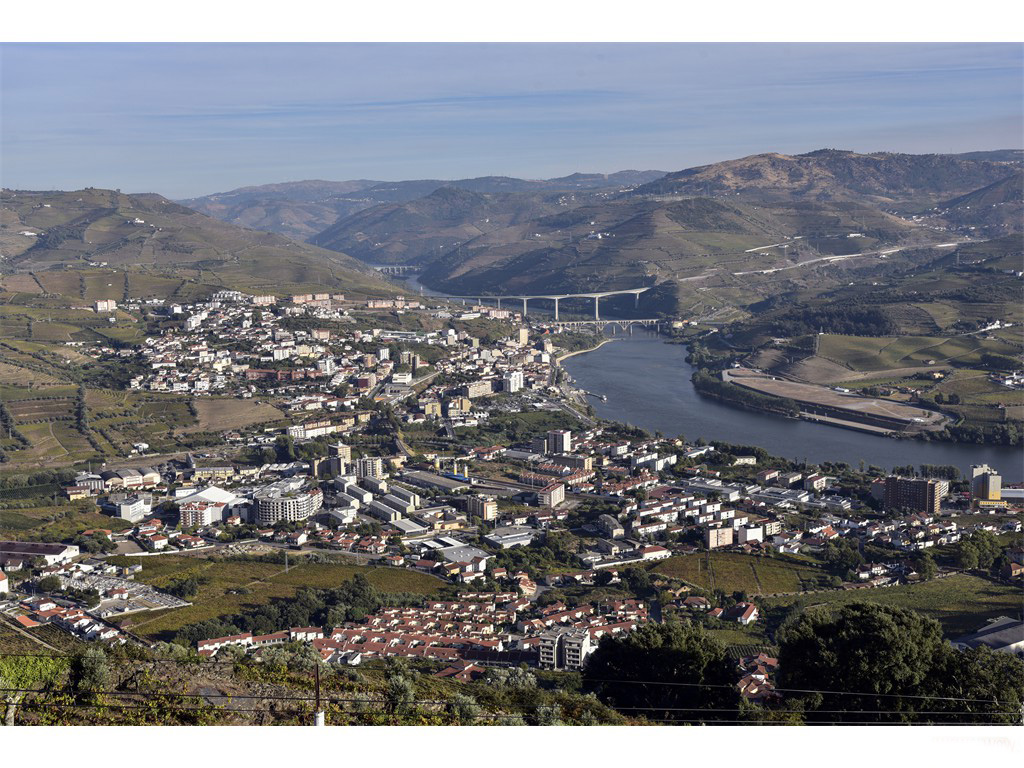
{"x":621,"y":324}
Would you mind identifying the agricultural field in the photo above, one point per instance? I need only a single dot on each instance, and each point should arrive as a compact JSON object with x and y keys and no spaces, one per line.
{"x":961,"y":603}
{"x":13,"y":641}
{"x":55,"y":523}
{"x":45,"y":415}
{"x":217,"y":414}
{"x":264,"y":581}
{"x":732,"y":572}
{"x":883,"y":353}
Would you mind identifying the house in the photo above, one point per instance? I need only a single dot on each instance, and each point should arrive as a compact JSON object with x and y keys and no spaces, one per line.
{"x":697,"y":603}
{"x":305,"y":633}
{"x":463,"y":671}
{"x":22,"y":551}
{"x":742,"y":613}
{"x":654,"y":552}
{"x":1012,"y":570}
{"x":211,"y":646}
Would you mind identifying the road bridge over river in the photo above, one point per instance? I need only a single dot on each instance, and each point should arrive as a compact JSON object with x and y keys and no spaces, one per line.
{"x":596,"y":296}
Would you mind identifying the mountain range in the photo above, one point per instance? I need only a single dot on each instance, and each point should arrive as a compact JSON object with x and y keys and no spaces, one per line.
{"x":697,"y":230}
{"x":715,"y":238}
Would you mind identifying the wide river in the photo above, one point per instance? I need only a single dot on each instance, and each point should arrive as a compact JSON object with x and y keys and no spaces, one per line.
{"x":647,"y":382}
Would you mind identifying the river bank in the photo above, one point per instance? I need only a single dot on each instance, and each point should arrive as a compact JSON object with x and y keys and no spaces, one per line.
{"x":567,"y":355}
{"x":648,"y":384}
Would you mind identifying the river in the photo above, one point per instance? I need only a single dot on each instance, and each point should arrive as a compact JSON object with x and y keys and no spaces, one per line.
{"x":647,"y":382}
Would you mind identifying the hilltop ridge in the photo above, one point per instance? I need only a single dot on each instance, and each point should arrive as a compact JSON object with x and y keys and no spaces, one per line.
{"x":44,"y":230}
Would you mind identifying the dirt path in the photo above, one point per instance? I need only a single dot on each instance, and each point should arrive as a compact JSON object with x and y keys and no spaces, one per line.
{"x":760,"y":587}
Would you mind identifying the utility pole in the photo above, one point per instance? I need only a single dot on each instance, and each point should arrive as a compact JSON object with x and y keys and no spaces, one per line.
{"x":319,"y":718}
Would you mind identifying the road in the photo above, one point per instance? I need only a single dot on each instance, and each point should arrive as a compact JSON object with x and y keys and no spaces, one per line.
{"x":882,"y":252}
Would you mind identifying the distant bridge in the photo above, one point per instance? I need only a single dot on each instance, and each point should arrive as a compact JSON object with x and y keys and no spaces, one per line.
{"x":596,"y":296}
{"x":397,"y":269}
{"x":622,"y":324}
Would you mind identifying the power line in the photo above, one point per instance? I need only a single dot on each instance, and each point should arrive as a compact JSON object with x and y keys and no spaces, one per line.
{"x":201,"y":661}
{"x":802,"y":690}
{"x":431,"y":702}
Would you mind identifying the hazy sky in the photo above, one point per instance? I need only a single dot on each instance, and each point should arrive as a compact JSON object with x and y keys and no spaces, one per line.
{"x":192,"y":119}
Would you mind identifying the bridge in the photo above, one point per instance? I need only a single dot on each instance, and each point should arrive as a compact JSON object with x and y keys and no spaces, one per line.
{"x":397,"y":269}
{"x":596,"y":296}
{"x":621,"y":324}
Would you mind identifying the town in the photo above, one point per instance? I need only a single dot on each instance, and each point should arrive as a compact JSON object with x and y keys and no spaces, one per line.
{"x":473,"y":461}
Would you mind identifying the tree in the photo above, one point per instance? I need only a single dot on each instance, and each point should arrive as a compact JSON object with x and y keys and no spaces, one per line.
{"x":979,"y":685}
{"x":967,"y":555}
{"x":925,"y":565}
{"x":873,"y":652}
{"x":90,"y":671}
{"x":637,"y":580}
{"x":988,"y":547}
{"x":285,"y":446}
{"x":463,"y":708}
{"x":49,"y":584}
{"x":399,"y":695}
{"x":23,"y":673}
{"x":842,"y":556}
{"x":625,"y":673}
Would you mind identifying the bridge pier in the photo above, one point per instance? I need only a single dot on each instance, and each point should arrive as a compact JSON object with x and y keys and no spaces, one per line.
{"x":556,"y":307}
{"x":524,"y":306}
{"x":499,"y":302}
{"x":636,"y":300}
{"x":597,"y":308}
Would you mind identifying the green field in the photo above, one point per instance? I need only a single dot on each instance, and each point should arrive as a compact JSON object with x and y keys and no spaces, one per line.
{"x":733,"y":572}
{"x":265,"y":582}
{"x":38,"y":523}
{"x":961,"y":603}
{"x":880,"y":353}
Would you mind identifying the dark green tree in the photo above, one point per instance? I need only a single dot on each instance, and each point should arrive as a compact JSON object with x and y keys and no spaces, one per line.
{"x":49,"y":584}
{"x":664,"y":671}
{"x":855,"y":661}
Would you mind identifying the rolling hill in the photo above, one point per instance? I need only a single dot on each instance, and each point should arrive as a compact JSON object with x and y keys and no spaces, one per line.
{"x":996,"y":209}
{"x":421,"y":230}
{"x":302,"y":209}
{"x":734,"y":232}
{"x":829,"y":174}
{"x":695,"y":247}
{"x":148,"y":233}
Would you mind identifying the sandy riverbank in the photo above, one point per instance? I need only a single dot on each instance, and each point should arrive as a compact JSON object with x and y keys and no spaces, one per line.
{"x":567,"y":355}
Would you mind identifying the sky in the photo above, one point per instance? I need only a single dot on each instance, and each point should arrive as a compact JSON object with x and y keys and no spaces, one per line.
{"x":186,"y":120}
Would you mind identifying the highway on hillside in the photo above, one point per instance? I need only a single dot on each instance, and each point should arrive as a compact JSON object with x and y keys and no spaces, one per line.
{"x":842,"y":257}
